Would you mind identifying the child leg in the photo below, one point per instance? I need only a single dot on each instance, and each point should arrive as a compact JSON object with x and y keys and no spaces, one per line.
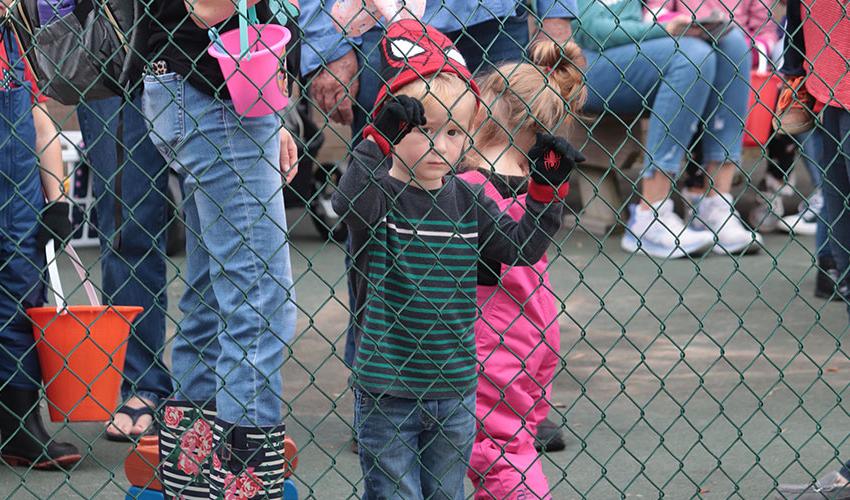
{"x":446,"y":445}
{"x":388,"y":432}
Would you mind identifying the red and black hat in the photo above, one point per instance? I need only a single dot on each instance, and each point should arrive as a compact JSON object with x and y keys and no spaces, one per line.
{"x":413,"y":51}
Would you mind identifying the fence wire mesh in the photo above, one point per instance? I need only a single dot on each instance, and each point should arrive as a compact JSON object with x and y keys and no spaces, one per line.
{"x":270,"y":244}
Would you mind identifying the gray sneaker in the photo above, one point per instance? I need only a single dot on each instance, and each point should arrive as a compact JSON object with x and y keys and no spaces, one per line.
{"x":832,"y":486}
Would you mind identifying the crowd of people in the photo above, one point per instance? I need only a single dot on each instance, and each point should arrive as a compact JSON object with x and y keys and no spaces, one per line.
{"x":455,"y":185}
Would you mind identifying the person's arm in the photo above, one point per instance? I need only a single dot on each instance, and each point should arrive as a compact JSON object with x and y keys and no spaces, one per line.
{"x":359,"y":199}
{"x":206,"y":13}
{"x":49,"y":151}
{"x":328,"y":53}
{"x":604,"y":26}
{"x":524,"y":242}
{"x":517,"y":243}
{"x":557,"y":16}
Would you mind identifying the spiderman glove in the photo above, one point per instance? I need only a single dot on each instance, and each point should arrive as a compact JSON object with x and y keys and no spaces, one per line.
{"x":396,"y":118}
{"x":552,"y":160}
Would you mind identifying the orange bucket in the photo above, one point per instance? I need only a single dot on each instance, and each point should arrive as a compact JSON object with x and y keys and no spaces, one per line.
{"x":82,"y":352}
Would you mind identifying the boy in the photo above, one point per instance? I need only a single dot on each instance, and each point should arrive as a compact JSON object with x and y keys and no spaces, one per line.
{"x":417,"y":235}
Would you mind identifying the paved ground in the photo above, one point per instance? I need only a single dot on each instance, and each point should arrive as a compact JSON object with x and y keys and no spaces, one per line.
{"x":709,"y":378}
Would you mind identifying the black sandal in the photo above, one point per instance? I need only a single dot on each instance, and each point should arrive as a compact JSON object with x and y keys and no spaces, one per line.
{"x":135,"y":414}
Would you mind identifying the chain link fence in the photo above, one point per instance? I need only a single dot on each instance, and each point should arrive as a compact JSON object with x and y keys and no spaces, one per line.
{"x":683,"y":337}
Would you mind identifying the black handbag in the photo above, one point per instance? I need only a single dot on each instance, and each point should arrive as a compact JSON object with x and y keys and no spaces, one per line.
{"x":94,"y":52}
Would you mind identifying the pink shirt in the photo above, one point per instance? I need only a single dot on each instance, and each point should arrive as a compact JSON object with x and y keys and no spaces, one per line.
{"x":753,"y":16}
{"x":827,"y":63}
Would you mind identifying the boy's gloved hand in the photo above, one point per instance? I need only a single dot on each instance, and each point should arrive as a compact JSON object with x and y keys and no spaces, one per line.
{"x":52,"y":10}
{"x":552,"y":161}
{"x":395,"y":120}
{"x":54,"y":223}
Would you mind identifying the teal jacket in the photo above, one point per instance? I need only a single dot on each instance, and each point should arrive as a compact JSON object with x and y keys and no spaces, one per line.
{"x":602,"y":24}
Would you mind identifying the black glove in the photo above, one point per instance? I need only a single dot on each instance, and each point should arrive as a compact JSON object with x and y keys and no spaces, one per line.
{"x":396,"y":119}
{"x":54,"y":223}
{"x":552,"y":161}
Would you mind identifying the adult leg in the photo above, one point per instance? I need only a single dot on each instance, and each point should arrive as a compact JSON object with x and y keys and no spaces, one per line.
{"x":618,"y":81}
{"x":486,"y":45}
{"x":724,"y":117}
{"x":836,"y":190}
{"x":23,"y":438}
{"x":130,"y":180}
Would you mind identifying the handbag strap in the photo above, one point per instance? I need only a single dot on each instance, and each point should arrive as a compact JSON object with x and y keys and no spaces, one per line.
{"x":56,"y":282}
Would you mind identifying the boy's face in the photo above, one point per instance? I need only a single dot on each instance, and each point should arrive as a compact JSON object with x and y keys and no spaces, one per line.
{"x":430,"y":152}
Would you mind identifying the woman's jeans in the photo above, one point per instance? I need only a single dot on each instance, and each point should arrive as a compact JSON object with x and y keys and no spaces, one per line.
{"x":683,"y":83}
{"x":130,"y":181}
{"x":835,"y":128}
{"x":238,"y":307}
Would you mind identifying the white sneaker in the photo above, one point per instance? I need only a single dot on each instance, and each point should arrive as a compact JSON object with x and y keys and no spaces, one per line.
{"x":806,"y":221}
{"x":720,"y":217}
{"x":664,"y":236}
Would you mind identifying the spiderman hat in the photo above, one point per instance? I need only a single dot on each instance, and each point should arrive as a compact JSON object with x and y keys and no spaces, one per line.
{"x":413,"y":51}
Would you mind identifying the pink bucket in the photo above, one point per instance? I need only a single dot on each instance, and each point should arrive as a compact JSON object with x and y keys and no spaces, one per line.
{"x":255,"y":82}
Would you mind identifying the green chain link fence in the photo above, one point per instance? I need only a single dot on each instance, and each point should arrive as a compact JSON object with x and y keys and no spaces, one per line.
{"x":709,"y":376}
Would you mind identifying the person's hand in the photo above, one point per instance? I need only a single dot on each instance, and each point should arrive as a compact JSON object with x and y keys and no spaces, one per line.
{"x":288,"y":155}
{"x":334,"y":88}
{"x":678,"y":25}
{"x":558,"y":30}
{"x":54,"y":223}
{"x":397,"y":117}
{"x":552,"y":161}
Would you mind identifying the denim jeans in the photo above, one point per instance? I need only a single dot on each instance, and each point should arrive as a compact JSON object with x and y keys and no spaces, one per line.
{"x":238,"y":307}
{"x":836,"y":184}
{"x":413,"y":449}
{"x":132,"y":255}
{"x":677,"y":78}
{"x":811,"y":149}
{"x":483,"y":46}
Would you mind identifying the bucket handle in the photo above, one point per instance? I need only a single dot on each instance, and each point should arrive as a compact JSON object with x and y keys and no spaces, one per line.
{"x":56,"y":283}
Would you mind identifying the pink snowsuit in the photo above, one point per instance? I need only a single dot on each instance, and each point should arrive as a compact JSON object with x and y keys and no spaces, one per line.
{"x":518,"y":342}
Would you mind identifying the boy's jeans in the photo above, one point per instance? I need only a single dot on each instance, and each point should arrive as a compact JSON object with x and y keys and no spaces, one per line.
{"x":413,"y":449}
{"x":132,"y":255}
{"x":238,"y":305}
{"x":836,"y":184}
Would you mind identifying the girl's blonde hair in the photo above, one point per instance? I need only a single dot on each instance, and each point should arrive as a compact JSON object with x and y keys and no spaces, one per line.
{"x":543,"y":94}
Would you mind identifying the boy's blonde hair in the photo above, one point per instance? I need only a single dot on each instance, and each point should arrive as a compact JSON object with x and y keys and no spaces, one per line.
{"x":543,"y":94}
{"x":445,"y":90}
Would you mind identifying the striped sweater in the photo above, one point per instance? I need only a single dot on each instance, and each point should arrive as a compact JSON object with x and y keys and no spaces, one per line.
{"x":415,"y":273}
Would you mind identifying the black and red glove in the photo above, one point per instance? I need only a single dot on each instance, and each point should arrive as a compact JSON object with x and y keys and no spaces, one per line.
{"x":552,"y":160}
{"x":396,"y":118}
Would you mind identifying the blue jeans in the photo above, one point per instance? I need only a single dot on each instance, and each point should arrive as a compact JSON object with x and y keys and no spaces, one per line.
{"x":238,"y":307}
{"x":21,"y":261}
{"x":132,"y":255}
{"x":413,"y":449}
{"x":681,"y":83}
{"x":836,"y":184}
{"x":811,"y":149}
{"x":483,"y":46}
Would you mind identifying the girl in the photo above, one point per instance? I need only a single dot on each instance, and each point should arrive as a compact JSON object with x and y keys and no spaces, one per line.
{"x":517,"y":333}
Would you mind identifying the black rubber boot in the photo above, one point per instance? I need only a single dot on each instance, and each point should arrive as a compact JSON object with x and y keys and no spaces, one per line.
{"x":25,"y":442}
{"x":247,"y":461}
{"x":825,"y":286}
{"x":549,"y":437}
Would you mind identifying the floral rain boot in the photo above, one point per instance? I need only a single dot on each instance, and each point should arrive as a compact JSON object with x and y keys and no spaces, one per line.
{"x":185,"y":446}
{"x":248,"y":462}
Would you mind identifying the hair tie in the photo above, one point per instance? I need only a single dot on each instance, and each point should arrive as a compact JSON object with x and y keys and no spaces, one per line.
{"x":548,"y":69}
